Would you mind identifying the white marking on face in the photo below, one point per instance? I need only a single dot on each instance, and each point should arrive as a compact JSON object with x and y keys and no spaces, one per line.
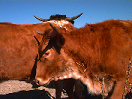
{"x":60,"y":23}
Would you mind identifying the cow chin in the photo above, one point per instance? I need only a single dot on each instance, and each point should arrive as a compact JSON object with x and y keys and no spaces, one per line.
{"x":63,"y":77}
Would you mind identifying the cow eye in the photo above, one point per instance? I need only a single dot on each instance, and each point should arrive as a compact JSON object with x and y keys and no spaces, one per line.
{"x":46,"y":54}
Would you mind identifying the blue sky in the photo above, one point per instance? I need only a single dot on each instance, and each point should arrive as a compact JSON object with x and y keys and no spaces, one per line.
{"x":21,"y":12}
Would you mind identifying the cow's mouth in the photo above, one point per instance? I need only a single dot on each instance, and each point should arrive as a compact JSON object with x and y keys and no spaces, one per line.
{"x":41,"y":82}
{"x":63,"y":75}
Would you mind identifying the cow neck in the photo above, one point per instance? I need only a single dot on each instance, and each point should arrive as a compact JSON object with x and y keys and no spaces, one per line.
{"x":84,"y":69}
{"x":78,"y":70}
{"x":86,"y":79}
{"x":81,"y":70}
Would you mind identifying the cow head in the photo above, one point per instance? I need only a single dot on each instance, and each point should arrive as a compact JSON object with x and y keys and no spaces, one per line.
{"x":53,"y":63}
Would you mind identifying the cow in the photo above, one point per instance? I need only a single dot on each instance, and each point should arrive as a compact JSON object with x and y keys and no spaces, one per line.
{"x":18,"y":48}
{"x":97,"y":54}
{"x":69,"y":83}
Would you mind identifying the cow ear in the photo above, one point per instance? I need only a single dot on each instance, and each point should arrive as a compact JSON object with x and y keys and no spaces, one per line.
{"x":60,"y":40}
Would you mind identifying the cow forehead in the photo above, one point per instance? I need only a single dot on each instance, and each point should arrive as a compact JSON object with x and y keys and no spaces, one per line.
{"x":60,"y":23}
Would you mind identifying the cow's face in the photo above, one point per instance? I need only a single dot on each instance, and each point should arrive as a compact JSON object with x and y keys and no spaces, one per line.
{"x":53,"y":63}
{"x":52,"y":66}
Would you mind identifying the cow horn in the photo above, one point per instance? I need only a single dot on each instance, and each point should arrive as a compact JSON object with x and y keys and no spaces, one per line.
{"x":53,"y":27}
{"x":44,"y":20}
{"x":39,"y":33}
{"x":54,"y":32}
{"x":74,"y":17}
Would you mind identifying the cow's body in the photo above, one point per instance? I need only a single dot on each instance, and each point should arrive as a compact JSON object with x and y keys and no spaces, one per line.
{"x":18,"y":48}
{"x":96,"y":54}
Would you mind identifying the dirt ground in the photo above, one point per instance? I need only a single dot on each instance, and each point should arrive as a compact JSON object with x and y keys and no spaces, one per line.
{"x":14,"y":89}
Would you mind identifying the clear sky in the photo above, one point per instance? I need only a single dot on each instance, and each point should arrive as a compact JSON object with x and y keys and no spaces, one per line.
{"x":21,"y":12}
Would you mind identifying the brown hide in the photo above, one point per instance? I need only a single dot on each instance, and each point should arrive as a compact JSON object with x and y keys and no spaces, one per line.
{"x":18,"y":50}
{"x":94,"y":53}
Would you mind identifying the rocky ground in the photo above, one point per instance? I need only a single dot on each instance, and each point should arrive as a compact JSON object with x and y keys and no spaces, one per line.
{"x":14,"y":89}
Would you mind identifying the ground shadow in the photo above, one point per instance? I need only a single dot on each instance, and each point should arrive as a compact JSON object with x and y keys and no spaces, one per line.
{"x":32,"y":94}
{"x":36,"y":94}
{"x":42,"y":94}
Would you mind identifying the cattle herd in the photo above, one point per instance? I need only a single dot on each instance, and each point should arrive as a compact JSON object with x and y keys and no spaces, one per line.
{"x":97,"y":55}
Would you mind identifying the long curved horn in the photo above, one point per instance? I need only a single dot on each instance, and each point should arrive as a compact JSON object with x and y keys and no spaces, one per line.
{"x":44,"y":20}
{"x":74,"y":17}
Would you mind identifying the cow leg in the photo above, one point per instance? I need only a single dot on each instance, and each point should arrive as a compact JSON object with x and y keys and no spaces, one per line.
{"x":58,"y":88}
{"x":79,"y":88}
{"x":69,"y":83}
{"x":118,"y":90}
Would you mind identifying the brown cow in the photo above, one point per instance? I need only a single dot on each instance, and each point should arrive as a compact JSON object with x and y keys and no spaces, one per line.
{"x":97,"y":54}
{"x":18,"y":47}
{"x":69,"y":83}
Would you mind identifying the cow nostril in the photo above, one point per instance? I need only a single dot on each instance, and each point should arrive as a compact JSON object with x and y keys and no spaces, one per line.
{"x":37,"y":82}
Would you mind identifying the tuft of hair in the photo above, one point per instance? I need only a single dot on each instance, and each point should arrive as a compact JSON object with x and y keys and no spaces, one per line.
{"x":59,"y":17}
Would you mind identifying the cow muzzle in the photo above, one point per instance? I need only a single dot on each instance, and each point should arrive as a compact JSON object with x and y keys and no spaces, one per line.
{"x":41,"y":82}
